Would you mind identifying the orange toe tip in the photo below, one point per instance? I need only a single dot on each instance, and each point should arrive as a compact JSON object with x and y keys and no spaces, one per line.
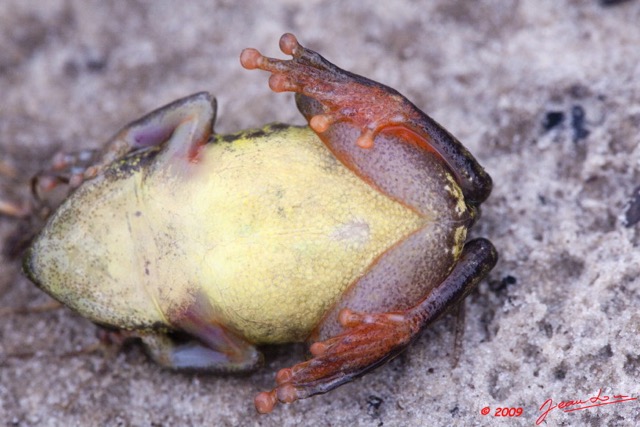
{"x":288,"y":43}
{"x":365,"y":141}
{"x":265,"y":402}
{"x":75,"y":180}
{"x":320,"y":123}
{"x":346,"y":317}
{"x":284,"y":376}
{"x":250,"y":58}
{"x":46,"y":183}
{"x":287,"y":393}
{"x":317,"y":348}
{"x":280,"y":83}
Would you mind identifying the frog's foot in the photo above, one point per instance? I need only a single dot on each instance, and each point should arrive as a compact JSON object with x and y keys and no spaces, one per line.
{"x":69,"y":169}
{"x":200,"y":343}
{"x":368,"y":341}
{"x":338,"y":94}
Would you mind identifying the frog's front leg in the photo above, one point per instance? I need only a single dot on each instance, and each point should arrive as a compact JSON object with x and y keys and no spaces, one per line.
{"x":181,"y":128}
{"x":188,"y":122}
{"x":335,"y":101}
{"x":64,"y":169}
{"x":370,"y":339}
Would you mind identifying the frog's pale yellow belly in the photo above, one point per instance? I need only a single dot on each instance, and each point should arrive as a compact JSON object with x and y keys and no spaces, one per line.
{"x":277,"y":229}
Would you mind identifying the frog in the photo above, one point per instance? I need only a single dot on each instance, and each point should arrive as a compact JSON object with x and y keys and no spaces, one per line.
{"x":348,"y":234}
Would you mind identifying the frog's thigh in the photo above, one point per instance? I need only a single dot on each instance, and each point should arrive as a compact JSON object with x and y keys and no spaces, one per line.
{"x":399,"y":279}
{"x":211,"y":346}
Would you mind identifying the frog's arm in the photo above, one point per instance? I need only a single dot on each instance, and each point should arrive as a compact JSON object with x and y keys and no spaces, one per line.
{"x":188,"y":119}
{"x":188,"y":122}
{"x":335,"y":101}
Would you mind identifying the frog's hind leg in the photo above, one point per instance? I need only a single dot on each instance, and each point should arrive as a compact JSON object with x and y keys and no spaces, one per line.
{"x":201,"y":343}
{"x":370,"y":339}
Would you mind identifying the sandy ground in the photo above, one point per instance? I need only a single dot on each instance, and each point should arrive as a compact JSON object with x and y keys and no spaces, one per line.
{"x":544,"y":93}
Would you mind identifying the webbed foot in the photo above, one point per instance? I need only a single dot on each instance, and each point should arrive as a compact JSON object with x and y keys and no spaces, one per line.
{"x":341,"y":95}
{"x":368,"y":341}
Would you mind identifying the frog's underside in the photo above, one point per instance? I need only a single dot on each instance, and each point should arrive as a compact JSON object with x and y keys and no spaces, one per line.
{"x":268,"y":227}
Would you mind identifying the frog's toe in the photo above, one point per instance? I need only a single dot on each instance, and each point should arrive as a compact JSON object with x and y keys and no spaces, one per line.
{"x":307,"y":72}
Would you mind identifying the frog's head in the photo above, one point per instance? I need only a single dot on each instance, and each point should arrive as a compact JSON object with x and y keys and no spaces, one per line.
{"x":83,"y":257}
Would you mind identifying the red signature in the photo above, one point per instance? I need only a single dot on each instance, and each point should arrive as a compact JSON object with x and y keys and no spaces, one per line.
{"x":576,"y":405}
